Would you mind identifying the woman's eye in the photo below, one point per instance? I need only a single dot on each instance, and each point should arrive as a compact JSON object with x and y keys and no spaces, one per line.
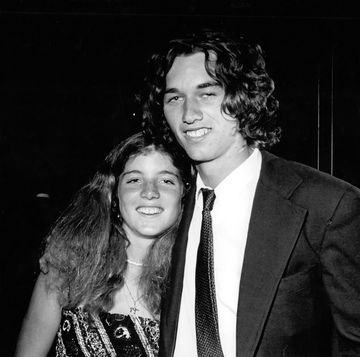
{"x":168,"y":181}
{"x":132,"y":180}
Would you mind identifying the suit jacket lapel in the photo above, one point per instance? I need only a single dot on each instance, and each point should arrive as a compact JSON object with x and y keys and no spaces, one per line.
{"x":273,"y":231}
{"x":171,"y":305}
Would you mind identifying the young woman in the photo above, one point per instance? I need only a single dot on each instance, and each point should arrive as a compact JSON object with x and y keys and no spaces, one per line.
{"x":106,"y":260}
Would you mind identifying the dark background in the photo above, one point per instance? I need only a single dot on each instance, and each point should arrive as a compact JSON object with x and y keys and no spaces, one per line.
{"x":69,"y":73}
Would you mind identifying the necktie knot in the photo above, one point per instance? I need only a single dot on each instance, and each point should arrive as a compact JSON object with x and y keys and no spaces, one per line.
{"x":208,"y":199}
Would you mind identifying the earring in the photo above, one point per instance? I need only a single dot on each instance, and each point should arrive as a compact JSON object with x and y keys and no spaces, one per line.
{"x":115,"y":208}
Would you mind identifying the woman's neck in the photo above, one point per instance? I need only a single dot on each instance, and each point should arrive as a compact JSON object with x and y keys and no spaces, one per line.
{"x":138,"y":249}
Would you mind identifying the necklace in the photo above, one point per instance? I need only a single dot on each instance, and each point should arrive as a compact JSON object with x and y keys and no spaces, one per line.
{"x":132,"y":262}
{"x":133,"y":308}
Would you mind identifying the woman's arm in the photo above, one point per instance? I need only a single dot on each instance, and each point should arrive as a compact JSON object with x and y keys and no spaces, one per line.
{"x":40,"y":323}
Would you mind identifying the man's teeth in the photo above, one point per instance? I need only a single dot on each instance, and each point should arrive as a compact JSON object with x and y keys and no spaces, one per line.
{"x":197,"y":133}
{"x":149,"y":210}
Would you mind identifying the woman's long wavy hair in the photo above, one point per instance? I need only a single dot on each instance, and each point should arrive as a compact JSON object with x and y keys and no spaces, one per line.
{"x":85,"y":252}
{"x":239,"y":69}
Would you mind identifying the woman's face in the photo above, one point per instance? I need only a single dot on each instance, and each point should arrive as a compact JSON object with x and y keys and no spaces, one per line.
{"x":150,"y":192}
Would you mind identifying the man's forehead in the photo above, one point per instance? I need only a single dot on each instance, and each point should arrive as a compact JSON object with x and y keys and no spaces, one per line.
{"x":192,"y":64}
{"x":212,"y":57}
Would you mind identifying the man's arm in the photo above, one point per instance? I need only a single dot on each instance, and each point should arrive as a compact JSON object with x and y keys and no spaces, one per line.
{"x":40,"y":323}
{"x":340,"y":257}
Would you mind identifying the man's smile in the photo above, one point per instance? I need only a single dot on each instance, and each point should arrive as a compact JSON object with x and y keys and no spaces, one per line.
{"x":197,"y":133}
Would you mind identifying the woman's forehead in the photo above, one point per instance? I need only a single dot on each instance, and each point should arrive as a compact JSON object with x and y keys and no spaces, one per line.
{"x":150,"y":156}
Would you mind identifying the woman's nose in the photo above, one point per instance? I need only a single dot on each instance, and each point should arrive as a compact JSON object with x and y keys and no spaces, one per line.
{"x":150,"y":191}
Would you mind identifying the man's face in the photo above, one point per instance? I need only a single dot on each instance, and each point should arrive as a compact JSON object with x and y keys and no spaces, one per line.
{"x":192,"y":107}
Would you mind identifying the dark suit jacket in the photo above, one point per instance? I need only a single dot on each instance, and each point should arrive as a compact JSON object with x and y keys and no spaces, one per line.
{"x":300,"y":284}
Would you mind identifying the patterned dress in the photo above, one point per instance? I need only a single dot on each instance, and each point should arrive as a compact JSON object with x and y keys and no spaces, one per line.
{"x":106,"y":334}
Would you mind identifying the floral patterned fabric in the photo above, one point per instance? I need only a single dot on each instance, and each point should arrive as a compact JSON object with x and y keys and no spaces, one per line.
{"x":84,"y":334}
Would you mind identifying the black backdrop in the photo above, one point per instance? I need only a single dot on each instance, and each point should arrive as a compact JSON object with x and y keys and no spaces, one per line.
{"x":69,"y":73}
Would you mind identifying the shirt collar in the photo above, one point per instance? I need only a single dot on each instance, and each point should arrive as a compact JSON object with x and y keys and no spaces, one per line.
{"x":238,"y":179}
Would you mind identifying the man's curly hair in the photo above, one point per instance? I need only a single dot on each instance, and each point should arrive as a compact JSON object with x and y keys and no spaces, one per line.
{"x":239,"y":69}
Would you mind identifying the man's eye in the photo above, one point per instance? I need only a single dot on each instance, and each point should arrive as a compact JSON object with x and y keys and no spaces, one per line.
{"x":207,"y":95}
{"x":173,"y":99}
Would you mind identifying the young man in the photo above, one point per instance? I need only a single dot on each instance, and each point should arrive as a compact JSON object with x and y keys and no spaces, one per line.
{"x":282,"y":276}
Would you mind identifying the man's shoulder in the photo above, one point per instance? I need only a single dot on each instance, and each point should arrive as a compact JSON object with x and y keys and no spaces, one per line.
{"x":308,"y":178}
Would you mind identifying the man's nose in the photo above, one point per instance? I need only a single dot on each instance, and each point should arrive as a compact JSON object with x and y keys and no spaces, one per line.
{"x":150,"y":191}
{"x":192,"y":112}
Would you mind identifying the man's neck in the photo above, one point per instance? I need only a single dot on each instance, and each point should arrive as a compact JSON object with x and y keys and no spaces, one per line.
{"x":213,"y":172}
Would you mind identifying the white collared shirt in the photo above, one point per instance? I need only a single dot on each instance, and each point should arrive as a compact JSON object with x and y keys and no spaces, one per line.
{"x":230,"y":219}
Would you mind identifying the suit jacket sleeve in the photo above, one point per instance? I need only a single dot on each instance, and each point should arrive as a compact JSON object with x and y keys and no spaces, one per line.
{"x":340,"y":255}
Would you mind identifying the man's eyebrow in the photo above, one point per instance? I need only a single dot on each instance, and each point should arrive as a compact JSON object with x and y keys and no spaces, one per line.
{"x":199,"y":86}
{"x":208,"y":84}
{"x":171,"y":90}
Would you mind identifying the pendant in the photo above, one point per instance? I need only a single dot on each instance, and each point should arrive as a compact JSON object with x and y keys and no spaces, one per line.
{"x":134,"y":310}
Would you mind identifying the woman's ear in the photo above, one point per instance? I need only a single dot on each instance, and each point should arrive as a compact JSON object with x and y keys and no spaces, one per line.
{"x":115,"y":210}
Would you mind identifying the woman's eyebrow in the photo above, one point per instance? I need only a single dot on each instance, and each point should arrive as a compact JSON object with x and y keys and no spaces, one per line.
{"x":131,"y":172}
{"x":166,"y":172}
{"x":163,"y":172}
